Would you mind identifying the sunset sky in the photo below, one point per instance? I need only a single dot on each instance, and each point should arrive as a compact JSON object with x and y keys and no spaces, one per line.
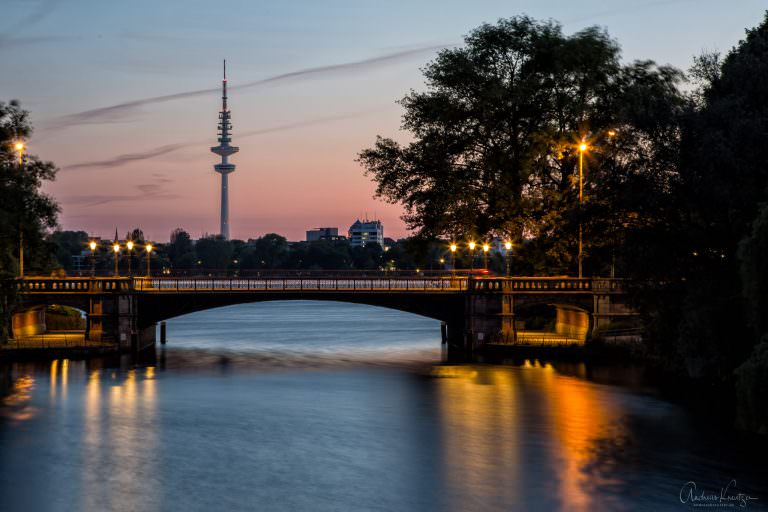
{"x":313,"y":82}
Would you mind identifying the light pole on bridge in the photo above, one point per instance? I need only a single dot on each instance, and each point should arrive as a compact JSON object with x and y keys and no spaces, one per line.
{"x":453,"y":259}
{"x":129,"y":246}
{"x":148,"y":248}
{"x":93,"y":245}
{"x":116,"y":250}
{"x":508,"y":254}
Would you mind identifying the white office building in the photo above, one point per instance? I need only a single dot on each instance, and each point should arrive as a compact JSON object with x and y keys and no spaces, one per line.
{"x":365,"y":232}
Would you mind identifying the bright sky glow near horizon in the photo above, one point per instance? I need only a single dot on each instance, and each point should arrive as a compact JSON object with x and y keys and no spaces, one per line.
{"x":298,"y":135}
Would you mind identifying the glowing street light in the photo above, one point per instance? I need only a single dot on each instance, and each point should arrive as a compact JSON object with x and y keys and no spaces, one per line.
{"x":486,"y":248}
{"x":92,"y":245}
{"x":19,"y":147}
{"x":116,"y":250}
{"x":453,"y":258}
{"x":148,"y":248}
{"x":582,"y":148}
{"x":508,"y":254}
{"x":129,"y":246}
{"x":472,"y":246}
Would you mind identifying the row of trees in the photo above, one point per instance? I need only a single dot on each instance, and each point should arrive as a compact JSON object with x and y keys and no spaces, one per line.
{"x":675,"y":178}
{"x":212,"y":253}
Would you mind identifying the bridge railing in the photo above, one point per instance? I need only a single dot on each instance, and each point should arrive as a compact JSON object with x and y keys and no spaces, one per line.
{"x":298,"y":284}
{"x":531,"y":284}
{"x":72,"y":285}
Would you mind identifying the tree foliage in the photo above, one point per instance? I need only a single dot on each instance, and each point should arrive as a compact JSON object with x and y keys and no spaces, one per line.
{"x":26,"y":213}
{"x":496,"y":135}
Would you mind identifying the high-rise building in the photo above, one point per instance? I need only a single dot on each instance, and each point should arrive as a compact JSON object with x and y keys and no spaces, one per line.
{"x":313,"y":235}
{"x":366,"y":232}
{"x":224,"y":150}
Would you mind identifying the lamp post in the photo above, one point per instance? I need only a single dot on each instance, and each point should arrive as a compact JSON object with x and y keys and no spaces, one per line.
{"x":486,"y":248}
{"x":582,"y":148}
{"x":19,"y":147}
{"x":116,"y":250}
{"x":148,"y":248}
{"x":453,"y":259}
{"x":129,"y":246}
{"x":92,"y":245}
{"x":508,"y":247}
{"x":472,"y":256}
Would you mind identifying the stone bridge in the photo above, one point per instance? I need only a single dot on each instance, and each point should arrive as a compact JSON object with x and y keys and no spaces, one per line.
{"x":475,"y":310}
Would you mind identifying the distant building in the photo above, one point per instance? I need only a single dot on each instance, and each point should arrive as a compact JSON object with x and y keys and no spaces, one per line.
{"x":313,"y":235}
{"x":363,"y":233}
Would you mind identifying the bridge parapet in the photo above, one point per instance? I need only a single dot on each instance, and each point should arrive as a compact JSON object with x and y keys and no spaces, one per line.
{"x":531,"y":284}
{"x":293,"y":284}
{"x":74,"y":285}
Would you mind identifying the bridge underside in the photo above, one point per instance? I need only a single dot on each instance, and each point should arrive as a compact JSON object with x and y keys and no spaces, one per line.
{"x":158,"y":307}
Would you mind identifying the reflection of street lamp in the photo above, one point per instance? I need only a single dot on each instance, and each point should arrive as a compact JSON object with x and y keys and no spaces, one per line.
{"x":148,"y":248}
{"x":508,"y":247}
{"x":472,"y":256}
{"x":486,"y":248}
{"x":582,"y":148}
{"x":93,"y":245}
{"x":453,"y":258}
{"x":116,"y":249}
{"x":129,"y":246}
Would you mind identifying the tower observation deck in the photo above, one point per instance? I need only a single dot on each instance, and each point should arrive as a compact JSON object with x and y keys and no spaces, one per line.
{"x":224,"y":150}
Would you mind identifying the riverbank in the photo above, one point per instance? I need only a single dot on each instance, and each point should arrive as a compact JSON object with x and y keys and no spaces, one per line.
{"x":72,"y":345}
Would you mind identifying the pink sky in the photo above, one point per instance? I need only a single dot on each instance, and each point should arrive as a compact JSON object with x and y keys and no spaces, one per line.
{"x":340,"y":66}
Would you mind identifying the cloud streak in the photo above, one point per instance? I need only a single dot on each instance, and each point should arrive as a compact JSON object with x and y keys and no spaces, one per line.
{"x":41,"y":11}
{"x":128,"y":158}
{"x":156,"y":189}
{"x":118,"y":111}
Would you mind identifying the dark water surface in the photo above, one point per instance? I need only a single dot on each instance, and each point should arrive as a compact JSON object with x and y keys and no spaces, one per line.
{"x":325,"y":407}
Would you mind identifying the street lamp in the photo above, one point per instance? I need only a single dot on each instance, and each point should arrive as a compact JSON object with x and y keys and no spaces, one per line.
{"x":148,"y":248}
{"x":19,"y":147}
{"x":486,"y":248}
{"x":582,"y":148}
{"x":93,"y":245}
{"x":116,"y":250}
{"x":129,"y":246}
{"x":472,"y":256}
{"x":453,"y":258}
{"x":508,"y":247}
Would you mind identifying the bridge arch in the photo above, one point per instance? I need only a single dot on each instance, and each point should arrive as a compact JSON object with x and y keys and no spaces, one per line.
{"x":153,"y":308}
{"x":564,"y":316}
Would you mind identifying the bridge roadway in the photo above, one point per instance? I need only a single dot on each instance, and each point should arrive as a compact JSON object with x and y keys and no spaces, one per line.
{"x":477,"y":310}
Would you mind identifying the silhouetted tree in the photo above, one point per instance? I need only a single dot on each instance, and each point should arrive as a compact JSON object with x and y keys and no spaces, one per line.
{"x":497,"y":133}
{"x":68,"y":244}
{"x":24,"y":208}
{"x":214,"y":253}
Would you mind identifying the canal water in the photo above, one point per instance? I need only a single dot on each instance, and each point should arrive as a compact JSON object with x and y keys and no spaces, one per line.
{"x":313,"y":406}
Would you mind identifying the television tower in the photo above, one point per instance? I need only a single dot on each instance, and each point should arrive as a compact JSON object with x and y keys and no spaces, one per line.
{"x":224,"y":150}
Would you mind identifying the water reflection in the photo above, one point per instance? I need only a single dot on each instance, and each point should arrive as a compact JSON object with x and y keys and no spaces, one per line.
{"x":508,"y":431}
{"x":531,"y":436}
{"x":17,"y":405}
